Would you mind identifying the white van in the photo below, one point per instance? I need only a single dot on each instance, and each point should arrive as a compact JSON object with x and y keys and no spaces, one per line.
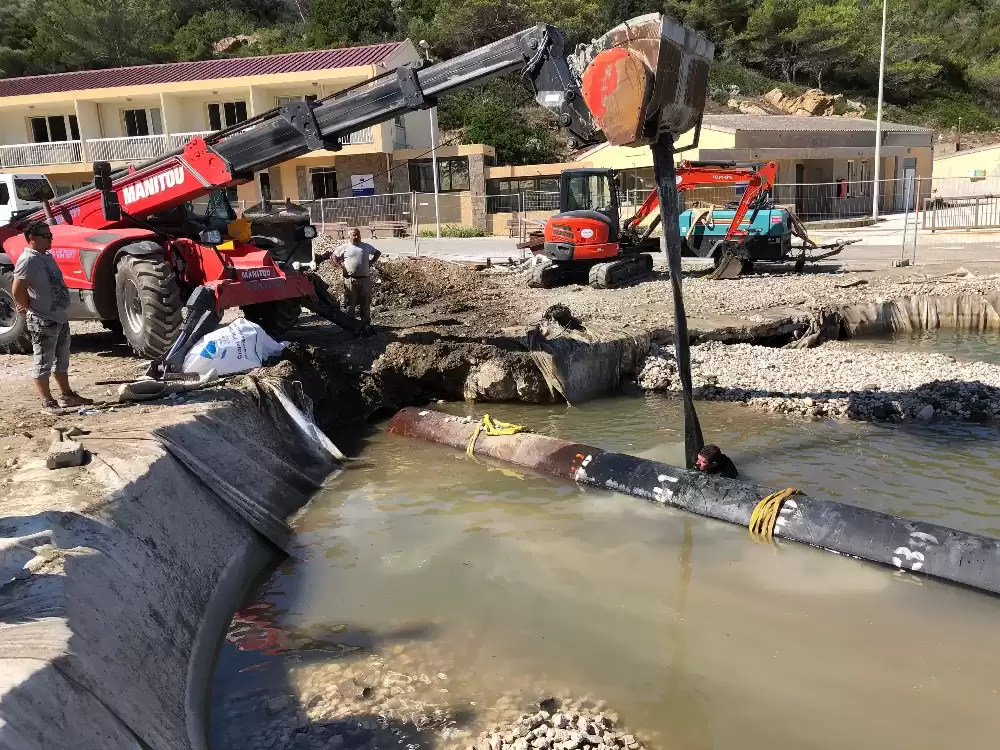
{"x":19,"y":192}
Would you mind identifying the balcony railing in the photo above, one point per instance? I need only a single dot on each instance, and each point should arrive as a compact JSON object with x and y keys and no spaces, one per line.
{"x":40,"y":154}
{"x":179,"y":140}
{"x":359,"y":138}
{"x":133,"y":149}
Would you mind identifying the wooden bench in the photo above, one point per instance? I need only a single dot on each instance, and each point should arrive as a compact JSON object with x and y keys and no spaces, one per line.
{"x":515,"y":227}
{"x":395,"y":228}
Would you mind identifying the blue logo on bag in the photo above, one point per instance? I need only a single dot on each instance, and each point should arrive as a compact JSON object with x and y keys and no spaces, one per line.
{"x":210,"y":350}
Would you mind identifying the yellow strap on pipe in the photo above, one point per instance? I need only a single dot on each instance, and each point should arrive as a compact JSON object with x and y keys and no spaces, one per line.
{"x":492,"y":429}
{"x":765,"y":515}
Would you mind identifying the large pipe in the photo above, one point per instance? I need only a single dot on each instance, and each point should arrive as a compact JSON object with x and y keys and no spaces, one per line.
{"x":923,"y":548}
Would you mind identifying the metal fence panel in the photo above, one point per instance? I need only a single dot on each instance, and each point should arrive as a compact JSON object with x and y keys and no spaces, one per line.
{"x":338,"y":214}
{"x":972,"y":212}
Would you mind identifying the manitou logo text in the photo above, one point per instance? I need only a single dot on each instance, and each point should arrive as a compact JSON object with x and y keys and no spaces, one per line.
{"x":257,"y":273}
{"x":152,"y":185}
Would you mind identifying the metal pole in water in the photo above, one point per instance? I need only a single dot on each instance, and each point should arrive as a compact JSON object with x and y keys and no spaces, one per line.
{"x":666,"y":185}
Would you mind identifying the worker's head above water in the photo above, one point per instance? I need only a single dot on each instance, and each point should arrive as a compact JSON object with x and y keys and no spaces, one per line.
{"x":356,"y":236}
{"x":708,"y":458}
{"x":38,"y":236}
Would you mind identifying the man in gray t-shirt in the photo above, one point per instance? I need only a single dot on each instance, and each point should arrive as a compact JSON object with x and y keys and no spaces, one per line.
{"x":41,"y":295}
{"x":356,"y":258}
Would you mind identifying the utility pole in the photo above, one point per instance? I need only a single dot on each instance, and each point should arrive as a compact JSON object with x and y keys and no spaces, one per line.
{"x":434,"y":161}
{"x":878,"y":116}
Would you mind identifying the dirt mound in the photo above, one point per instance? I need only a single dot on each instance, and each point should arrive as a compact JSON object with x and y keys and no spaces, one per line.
{"x":403,"y":283}
{"x":409,"y":282}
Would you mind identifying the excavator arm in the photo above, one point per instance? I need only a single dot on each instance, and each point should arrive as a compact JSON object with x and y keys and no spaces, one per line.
{"x":691,"y":175}
{"x":758,"y":180}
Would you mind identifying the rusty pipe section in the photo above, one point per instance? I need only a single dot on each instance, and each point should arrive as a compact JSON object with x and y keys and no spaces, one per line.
{"x":906,"y":545}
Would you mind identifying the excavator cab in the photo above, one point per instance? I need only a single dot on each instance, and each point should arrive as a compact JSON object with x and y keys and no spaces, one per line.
{"x":590,"y":195}
{"x":587,"y":237}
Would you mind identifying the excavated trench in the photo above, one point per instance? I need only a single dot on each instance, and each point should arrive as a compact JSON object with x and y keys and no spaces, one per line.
{"x":550,"y":363}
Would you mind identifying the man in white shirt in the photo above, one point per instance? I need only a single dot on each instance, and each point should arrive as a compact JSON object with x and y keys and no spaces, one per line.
{"x":356,"y":259}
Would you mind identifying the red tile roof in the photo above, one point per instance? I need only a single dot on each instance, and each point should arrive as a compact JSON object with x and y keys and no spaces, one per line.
{"x":204,"y":70}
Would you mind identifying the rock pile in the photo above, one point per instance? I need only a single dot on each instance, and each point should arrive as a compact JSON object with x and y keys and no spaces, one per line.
{"x":812,"y":103}
{"x":839,"y":380}
{"x":659,"y":369}
{"x":566,"y":726}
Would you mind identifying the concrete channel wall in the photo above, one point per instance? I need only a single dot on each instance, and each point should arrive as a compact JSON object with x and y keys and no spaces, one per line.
{"x":137,"y":562}
{"x":971,"y":312}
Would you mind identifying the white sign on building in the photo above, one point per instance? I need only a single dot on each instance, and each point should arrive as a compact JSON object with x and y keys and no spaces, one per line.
{"x":362,"y":184}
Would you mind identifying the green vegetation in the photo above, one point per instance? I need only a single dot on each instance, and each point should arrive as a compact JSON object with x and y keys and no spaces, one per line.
{"x":943,"y":58}
{"x":454,"y":230}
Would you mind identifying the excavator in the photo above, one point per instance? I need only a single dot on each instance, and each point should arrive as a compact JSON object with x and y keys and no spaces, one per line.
{"x":131,"y":247}
{"x":586,"y":236}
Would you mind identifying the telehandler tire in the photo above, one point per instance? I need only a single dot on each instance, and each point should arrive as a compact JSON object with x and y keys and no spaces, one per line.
{"x":14,"y":336}
{"x":276,"y":318}
{"x":149,"y":303}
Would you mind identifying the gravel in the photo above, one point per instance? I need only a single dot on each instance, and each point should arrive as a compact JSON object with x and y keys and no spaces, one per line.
{"x":504,"y":295}
{"x":839,"y":379}
{"x":398,"y":698}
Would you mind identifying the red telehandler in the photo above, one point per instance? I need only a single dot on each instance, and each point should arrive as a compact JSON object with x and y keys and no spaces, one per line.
{"x":131,"y":248}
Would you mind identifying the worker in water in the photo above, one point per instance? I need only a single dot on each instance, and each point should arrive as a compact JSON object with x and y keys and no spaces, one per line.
{"x":712,"y":460}
{"x":41,"y":295}
{"x":356,"y":259}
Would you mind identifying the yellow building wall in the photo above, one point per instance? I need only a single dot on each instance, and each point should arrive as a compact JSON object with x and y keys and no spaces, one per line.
{"x":626,"y":157}
{"x":961,"y":163}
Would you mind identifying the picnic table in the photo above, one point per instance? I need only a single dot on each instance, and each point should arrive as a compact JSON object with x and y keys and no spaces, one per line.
{"x":339,"y":229}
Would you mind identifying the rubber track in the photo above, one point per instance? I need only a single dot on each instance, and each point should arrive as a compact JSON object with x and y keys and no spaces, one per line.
{"x":547,"y":276}
{"x":161,"y":302}
{"x":619,"y":272}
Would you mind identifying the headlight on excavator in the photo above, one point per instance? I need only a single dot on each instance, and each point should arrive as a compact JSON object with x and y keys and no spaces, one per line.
{"x":307,"y":232}
{"x":211,"y":237}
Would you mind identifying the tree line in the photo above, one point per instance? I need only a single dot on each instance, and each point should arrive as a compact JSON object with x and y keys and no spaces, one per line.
{"x":943,"y":56}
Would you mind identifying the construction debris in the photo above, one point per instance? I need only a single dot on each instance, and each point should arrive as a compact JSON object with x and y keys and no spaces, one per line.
{"x":64,"y":454}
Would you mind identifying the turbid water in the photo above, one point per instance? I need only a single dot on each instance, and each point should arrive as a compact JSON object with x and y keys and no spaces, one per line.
{"x":499,"y":587}
{"x":973,"y":346}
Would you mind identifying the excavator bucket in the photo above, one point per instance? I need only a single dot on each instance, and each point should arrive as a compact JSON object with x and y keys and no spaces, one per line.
{"x":646,"y":76}
{"x":730,"y":267}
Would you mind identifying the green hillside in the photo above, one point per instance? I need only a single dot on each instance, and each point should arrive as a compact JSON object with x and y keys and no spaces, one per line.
{"x":943,"y":55}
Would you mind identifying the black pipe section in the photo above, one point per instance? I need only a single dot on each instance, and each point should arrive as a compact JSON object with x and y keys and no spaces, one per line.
{"x":913,"y":546}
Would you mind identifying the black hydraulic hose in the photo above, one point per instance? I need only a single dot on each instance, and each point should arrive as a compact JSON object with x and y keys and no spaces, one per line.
{"x":666,"y":184}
